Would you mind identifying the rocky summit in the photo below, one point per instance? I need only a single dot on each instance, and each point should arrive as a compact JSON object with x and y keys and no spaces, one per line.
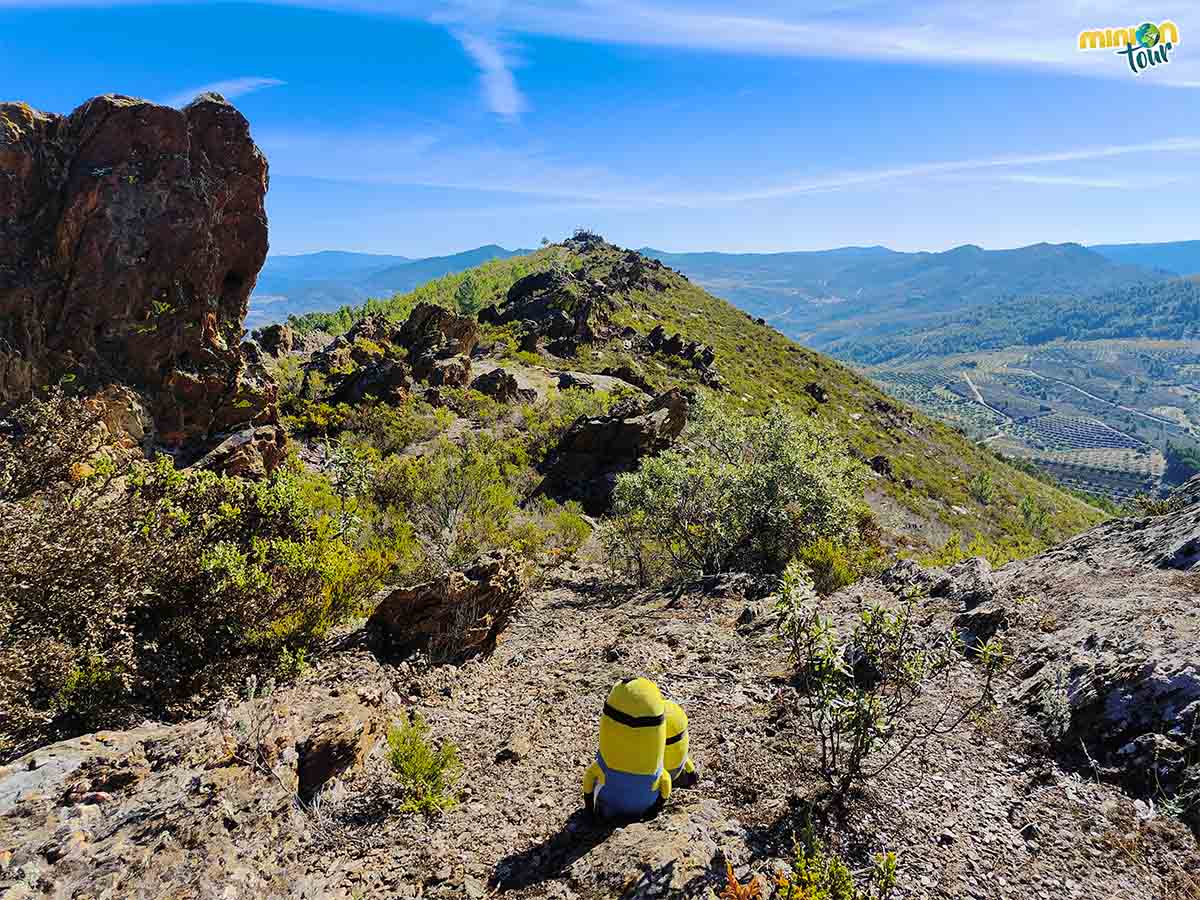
{"x":131,"y":235}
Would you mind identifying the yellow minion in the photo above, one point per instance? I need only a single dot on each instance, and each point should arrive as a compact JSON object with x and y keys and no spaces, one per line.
{"x":628,"y":779}
{"x":676,"y":758}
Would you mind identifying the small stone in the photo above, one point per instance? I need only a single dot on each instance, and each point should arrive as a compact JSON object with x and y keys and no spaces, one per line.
{"x":946,"y":838}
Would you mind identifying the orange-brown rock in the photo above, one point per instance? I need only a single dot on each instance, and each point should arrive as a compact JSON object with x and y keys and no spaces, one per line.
{"x":131,"y":236}
{"x":456,"y":616}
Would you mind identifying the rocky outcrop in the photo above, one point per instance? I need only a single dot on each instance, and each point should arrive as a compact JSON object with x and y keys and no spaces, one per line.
{"x":594,"y":451}
{"x":1103,"y":630}
{"x":555,"y":305}
{"x":233,"y":798}
{"x":131,"y":235}
{"x":275,"y":340}
{"x":379,"y":358}
{"x":459,"y":615}
{"x":701,"y":356}
{"x":503,"y":387}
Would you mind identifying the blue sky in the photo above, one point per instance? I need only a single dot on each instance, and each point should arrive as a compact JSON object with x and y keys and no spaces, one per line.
{"x":423,"y":128}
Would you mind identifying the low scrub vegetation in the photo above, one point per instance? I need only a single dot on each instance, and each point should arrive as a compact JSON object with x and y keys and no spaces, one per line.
{"x":858,"y":694}
{"x":427,"y":775}
{"x":139,"y":589}
{"x":816,"y":873}
{"x":740,"y":493}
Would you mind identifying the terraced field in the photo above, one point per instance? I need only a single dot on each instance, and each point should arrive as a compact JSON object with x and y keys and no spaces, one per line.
{"x":1095,"y":414}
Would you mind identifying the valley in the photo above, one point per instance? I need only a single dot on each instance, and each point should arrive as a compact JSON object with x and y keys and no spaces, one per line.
{"x":1098,"y":415}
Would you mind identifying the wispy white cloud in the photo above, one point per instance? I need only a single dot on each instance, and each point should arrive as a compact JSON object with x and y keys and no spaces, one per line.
{"x":427,"y":161}
{"x":496,"y":70}
{"x":1140,"y":182}
{"x":1020,"y":33}
{"x":229,"y":89}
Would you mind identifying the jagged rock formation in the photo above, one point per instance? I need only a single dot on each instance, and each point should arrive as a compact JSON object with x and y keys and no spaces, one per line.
{"x":555,"y":306}
{"x":379,"y":358}
{"x":503,"y":387}
{"x":131,"y":235}
{"x":461,"y":614}
{"x":594,"y":451}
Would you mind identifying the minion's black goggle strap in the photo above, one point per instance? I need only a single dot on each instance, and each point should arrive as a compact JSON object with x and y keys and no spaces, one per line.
{"x":633,"y":721}
{"x":676,"y":738}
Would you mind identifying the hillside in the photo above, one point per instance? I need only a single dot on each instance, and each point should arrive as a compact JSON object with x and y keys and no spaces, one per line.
{"x":295,"y":285}
{"x":825,"y":297}
{"x":1177,"y":257}
{"x":1165,"y":310}
{"x":922,"y":490}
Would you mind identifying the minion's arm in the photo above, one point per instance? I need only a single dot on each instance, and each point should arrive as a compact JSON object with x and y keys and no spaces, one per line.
{"x":689,"y":767}
{"x":664,"y":785}
{"x":593,"y":776}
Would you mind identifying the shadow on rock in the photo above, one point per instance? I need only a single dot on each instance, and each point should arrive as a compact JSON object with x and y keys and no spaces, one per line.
{"x":542,"y":862}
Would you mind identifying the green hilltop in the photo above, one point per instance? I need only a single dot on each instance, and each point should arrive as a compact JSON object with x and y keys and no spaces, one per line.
{"x":934,"y":485}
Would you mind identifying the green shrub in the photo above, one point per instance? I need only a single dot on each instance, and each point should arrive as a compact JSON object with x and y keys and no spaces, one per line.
{"x":1035,"y":513}
{"x":817,"y":874}
{"x":741,"y":494}
{"x":997,"y":552}
{"x":832,"y":565}
{"x":386,"y":427}
{"x":136,"y":589}
{"x":983,"y":487}
{"x":1158,"y":506}
{"x":855,"y":693}
{"x":456,"y":497}
{"x":427,"y":776}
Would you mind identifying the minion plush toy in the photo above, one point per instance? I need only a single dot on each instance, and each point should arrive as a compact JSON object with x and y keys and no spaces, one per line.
{"x":676,"y":758}
{"x":627,"y":779}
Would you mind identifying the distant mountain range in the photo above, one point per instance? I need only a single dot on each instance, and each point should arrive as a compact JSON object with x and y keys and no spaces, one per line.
{"x":824,"y":298}
{"x":314,"y":282}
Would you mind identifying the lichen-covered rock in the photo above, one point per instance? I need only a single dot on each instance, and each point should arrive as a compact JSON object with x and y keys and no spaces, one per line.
{"x":339,"y":739}
{"x":276,"y":340}
{"x":131,"y":236}
{"x":594,"y":451}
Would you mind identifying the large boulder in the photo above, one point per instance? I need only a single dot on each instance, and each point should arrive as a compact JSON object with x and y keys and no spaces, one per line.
{"x":503,"y":387}
{"x":594,"y":451}
{"x":435,"y":327}
{"x":131,"y":236}
{"x":552,"y":304}
{"x":461,"y":614}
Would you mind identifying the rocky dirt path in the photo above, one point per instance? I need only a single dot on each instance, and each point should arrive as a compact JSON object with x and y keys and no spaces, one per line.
{"x":979,"y":814}
{"x":982,"y":813}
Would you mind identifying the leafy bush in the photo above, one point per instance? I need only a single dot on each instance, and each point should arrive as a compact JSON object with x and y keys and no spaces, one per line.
{"x":858,"y":693}
{"x":427,"y":776}
{"x":832,"y":565}
{"x":817,"y":874}
{"x":135,"y":589}
{"x":456,"y":497}
{"x":1035,"y":512}
{"x":386,"y":427}
{"x":740,"y":494}
{"x":997,"y":552}
{"x":1158,"y":506}
{"x":983,"y":487}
